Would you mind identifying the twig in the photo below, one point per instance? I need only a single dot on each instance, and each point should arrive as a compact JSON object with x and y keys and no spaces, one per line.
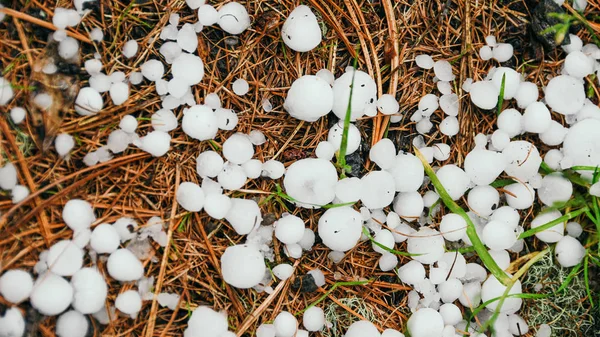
{"x":42,"y":23}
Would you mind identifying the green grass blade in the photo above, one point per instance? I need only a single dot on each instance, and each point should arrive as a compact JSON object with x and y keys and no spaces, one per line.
{"x":553,"y":223}
{"x":501,"y":95}
{"x":387,"y":249}
{"x":341,"y":160}
{"x":333,"y":287}
{"x":586,"y":277}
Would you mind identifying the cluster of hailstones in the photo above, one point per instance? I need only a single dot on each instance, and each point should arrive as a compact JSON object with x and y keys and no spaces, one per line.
{"x":314,"y":183}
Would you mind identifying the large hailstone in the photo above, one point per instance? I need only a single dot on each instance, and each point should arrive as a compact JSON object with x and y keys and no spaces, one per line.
{"x":12,"y":323}
{"x":289,"y":229}
{"x":454,"y":180}
{"x":311,"y":182}
{"x":206,"y":322}
{"x":51,"y":294}
{"x":242,"y":266}
{"x":340,"y":228}
{"x":233,"y":18}
{"x":492,"y":288}
{"x":428,"y":243}
{"x":238,"y":148}
{"x":129,"y":302}
{"x":88,"y":102}
{"x":105,"y":239}
{"x":426,"y":322}
{"x":335,"y":134}
{"x":313,"y":319}
{"x":569,"y":251}
{"x":65,"y":258}
{"x":90,"y":290}
{"x":483,"y":166}
{"x":200,"y":122}
{"x":309,"y":98}
{"x":552,"y":234}
{"x":71,"y":324}
{"x":484,"y":94}
{"x":362,"y":329}
{"x":408,"y":172}
{"x":582,"y":143}
{"x":16,"y":285}
{"x":565,"y":94}
{"x":377,"y":189}
{"x":190,"y":196}
{"x":123,"y":265}
{"x":364,"y":94}
{"x":523,"y":160}
{"x":301,"y":31}
{"x":243,"y":215}
{"x":188,"y":68}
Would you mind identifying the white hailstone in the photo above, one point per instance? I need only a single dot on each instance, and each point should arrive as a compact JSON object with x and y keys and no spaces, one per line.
{"x":105,"y":239}
{"x":471,"y":295}
{"x":451,"y":314}
{"x":168,"y":300}
{"x":301,"y":30}
{"x":6,"y":91}
{"x":90,"y":290}
{"x":491,"y":41}
{"x":412,"y":272}
{"x":483,"y":200}
{"x":500,"y":140}
{"x":443,"y":70}
{"x":526,"y":94}
{"x":16,"y":285}
{"x":177,"y":87}
{"x":492,"y":288}
{"x":190,"y":196}
{"x":426,"y":322}
{"x":293,"y":250}
{"x":126,"y":228}
{"x":519,"y":195}
{"x":170,"y":51}
{"x":308,"y":239}
{"x":428,"y":104}
{"x":576,"y":43}
{"x":430,"y":198}
{"x":289,"y":229}
{"x":309,"y":98}
{"x":118,"y":140}
{"x":194,"y":4}
{"x":348,"y":189}
{"x":517,"y":325}
{"x":578,"y":64}
{"x":582,"y":144}
{"x":362,"y":329}
{"x":43,"y":101}
{"x":240,"y":87}
{"x":484,"y":94}
{"x":257,"y":137}
{"x":454,"y":179}
{"x":188,"y":68}
{"x":508,"y":215}
{"x":565,"y":94}
{"x":200,"y":122}
{"x":502,"y":52}
{"x":388,"y":261}
{"x":266,"y":105}
{"x":589,"y":110}
{"x":164,"y":120}
{"x":449,"y":104}
{"x":153,"y":70}
{"x":100,"y":82}
{"x":8,"y":176}
{"x":364,"y":94}
{"x":206,"y":322}
{"x":207,"y":15}
{"x":569,"y":251}
{"x":68,"y":48}
{"x":96,"y":34}
{"x":512,"y":79}
{"x":450,"y":290}
{"x":383,"y":153}
{"x":187,"y":38}
{"x":388,"y":105}
{"x":273,"y":169}
{"x":212,"y":100}
{"x":313,"y":319}
{"x":162,"y":87}
{"x":523,"y":160}
{"x":243,"y":215}
{"x":424,"y":61}
{"x":496,"y":235}
{"x":408,"y":205}
{"x":444,"y":87}
{"x":408,"y":172}
{"x":78,"y":214}
{"x":242,"y":266}
{"x":71,"y":324}
{"x":252,"y":168}
{"x":128,"y":124}
{"x":485,"y":53}
{"x":157,"y":143}
{"x":217,"y":206}
{"x":475,"y":272}
{"x":552,"y":234}
{"x":428,"y":243}
{"x":123,"y":265}
{"x":311,"y":182}
{"x":238,"y":148}
{"x":501,"y":257}
{"x":483,"y":166}
{"x":233,"y":18}
{"x":91,"y":158}
{"x":17,"y":115}
{"x":340,"y":228}
{"x":449,"y":126}
{"x":129,"y":302}
{"x":574,"y":229}
{"x":283,"y":271}
{"x":536,"y":118}
{"x":285,"y":324}
{"x":93,"y":66}
{"x":553,"y":158}
{"x":510,"y":121}
{"x":232,"y":177}
{"x":377,"y":189}
{"x":209,"y":164}
{"x":60,"y":18}
{"x":544,"y":331}
{"x":384,"y":238}
{"x":19,"y":193}
{"x":88,"y":102}
{"x":555,"y":189}
{"x":51,"y":294}
{"x":130,"y":48}
{"x":265,"y":330}
{"x":424,"y":126}
{"x":12,"y":323}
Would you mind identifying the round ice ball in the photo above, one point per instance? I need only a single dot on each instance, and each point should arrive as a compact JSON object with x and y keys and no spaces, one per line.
{"x":508,"y":215}
{"x":285,"y":324}
{"x":64,"y":258}
{"x":16,"y":285}
{"x":301,"y":30}
{"x":340,"y":228}
{"x":313,"y":319}
{"x":408,"y":172}
{"x":200,"y":122}
{"x":129,"y":302}
{"x":190,"y":196}
{"x":105,"y":239}
{"x":502,"y":52}
{"x":388,"y":105}
{"x":454,"y":179}
{"x":443,"y":70}
{"x":510,"y":121}
{"x":409,"y":205}
{"x":157,"y":143}
{"x":569,"y":251}
{"x":204,"y":321}
{"x":554,"y":134}
{"x":428,"y":243}
{"x":526,"y":94}
{"x":552,"y":234}
{"x":424,"y":61}
{"x":492,"y":288}
{"x":536,"y":118}
{"x":362,"y":329}
{"x":451,"y":314}
{"x":123,"y":265}
{"x":209,"y":164}
{"x":309,"y":98}
{"x":555,"y":189}
{"x":383,"y":153}
{"x":51,"y":294}
{"x":519,"y":195}
{"x":240,"y":87}
{"x":289,"y":229}
{"x":71,"y":324}
{"x":187,"y":68}
{"x":483,"y":166}
{"x":311,"y":182}
{"x":578,"y":64}
{"x":582,"y":143}
{"x":233,"y":18}
{"x":484,"y":94}
{"x":483,"y":200}
{"x":242,"y":266}
{"x":90,"y":290}
{"x":207,"y":15}
{"x":453,"y":227}
{"x":238,"y":148}
{"x":497,"y":235}
{"x":335,"y":137}
{"x":364,"y":94}
{"x":88,"y":102}
{"x":426,"y":322}
{"x":565,"y":94}
{"x":511,"y":81}
{"x":523,"y":160}
{"x":377,"y":189}
{"x":243,"y":215}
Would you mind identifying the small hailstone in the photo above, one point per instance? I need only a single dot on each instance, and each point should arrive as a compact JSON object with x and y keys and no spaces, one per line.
{"x":388,"y":262}
{"x":266,"y":105}
{"x":212,"y":100}
{"x":187,"y":38}
{"x":426,"y":322}
{"x":519,"y":195}
{"x":273,"y":169}
{"x":6,"y":91}
{"x":64,"y":143}
{"x":17,"y":114}
{"x":424,"y":61}
{"x":340,"y":228}
{"x":153,"y":69}
{"x":207,"y":15}
{"x":60,"y":18}
{"x":428,"y":104}
{"x":51,"y":294}
{"x":240,"y":87}
{"x":412,"y":272}
{"x":301,"y":30}
{"x":200,"y":122}
{"x":449,"y":126}
{"x":124,"y":227}
{"x":128,"y":124}
{"x":510,"y":121}
{"x":512,"y":79}
{"x":65,"y":258}
{"x":308,"y":239}
{"x":555,"y":189}
{"x":177,"y":87}
{"x":311,"y":182}
{"x":377,"y":189}
{"x":96,"y":34}
{"x":238,"y":148}
{"x":16,"y":285}
{"x":492,"y":288}
{"x":49,"y":69}
{"x":78,"y":214}
{"x":424,"y":126}
{"x":544,"y":331}
{"x":190,"y":196}
{"x":450,"y":290}
{"x":485,"y":53}
{"x":536,"y":118}
{"x":130,"y":48}
{"x":523,"y":160}
{"x":283,"y":271}
{"x":484,"y":94}
{"x":252,"y":168}
{"x":498,"y":236}
{"x":443,"y":70}
{"x":233,"y":18}
{"x":325,"y":150}
{"x":408,"y":172}
{"x":194,"y":4}
{"x":578,"y":64}
{"x":383,"y":153}
{"x":90,"y":290}
{"x":326,"y":75}
{"x":118,"y":140}
{"x":348,"y":189}
{"x":309,"y":98}
{"x":388,"y":105}
{"x":441,"y":151}
{"x":428,"y":244}
{"x":19,"y":193}
{"x":293,"y":250}
{"x":285,"y":324}
{"x":242,"y":266}
{"x":454,"y":179}
{"x":362,"y":329}
{"x":313,"y":319}
{"x":385,"y":238}
{"x":565,"y":94}
{"x":100,"y":82}
{"x":68,"y":48}
{"x":444,"y":87}
{"x":227,"y":119}
{"x":123,"y":265}
{"x":517,"y":325}
{"x":135,"y":78}
{"x":451,"y":314}
{"x":71,"y":324}
{"x":243,"y":215}
{"x":12,"y":323}
{"x":164,"y":120}
{"x":335,"y":137}
{"x":168,"y":300}
{"x":209,"y":164}
{"x":105,"y":239}
{"x":483,"y":166}
{"x":483,"y":200}
{"x":408,"y":205}
{"x":364,"y":94}
{"x":491,"y":41}
{"x":43,"y":101}
{"x":552,"y":234}
{"x":429,"y":199}
{"x":8,"y":177}
{"x":449,"y":104}
{"x":170,"y":51}
{"x":257,"y":137}
{"x":90,"y":159}
{"x":500,"y":140}
{"x":503,"y":52}
{"x":569,"y":251}
{"x":129,"y":302}
{"x":88,"y":102}
{"x":93,"y":66}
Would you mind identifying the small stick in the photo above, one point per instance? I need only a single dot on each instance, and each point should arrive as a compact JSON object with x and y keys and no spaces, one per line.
{"x":23,"y":41}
